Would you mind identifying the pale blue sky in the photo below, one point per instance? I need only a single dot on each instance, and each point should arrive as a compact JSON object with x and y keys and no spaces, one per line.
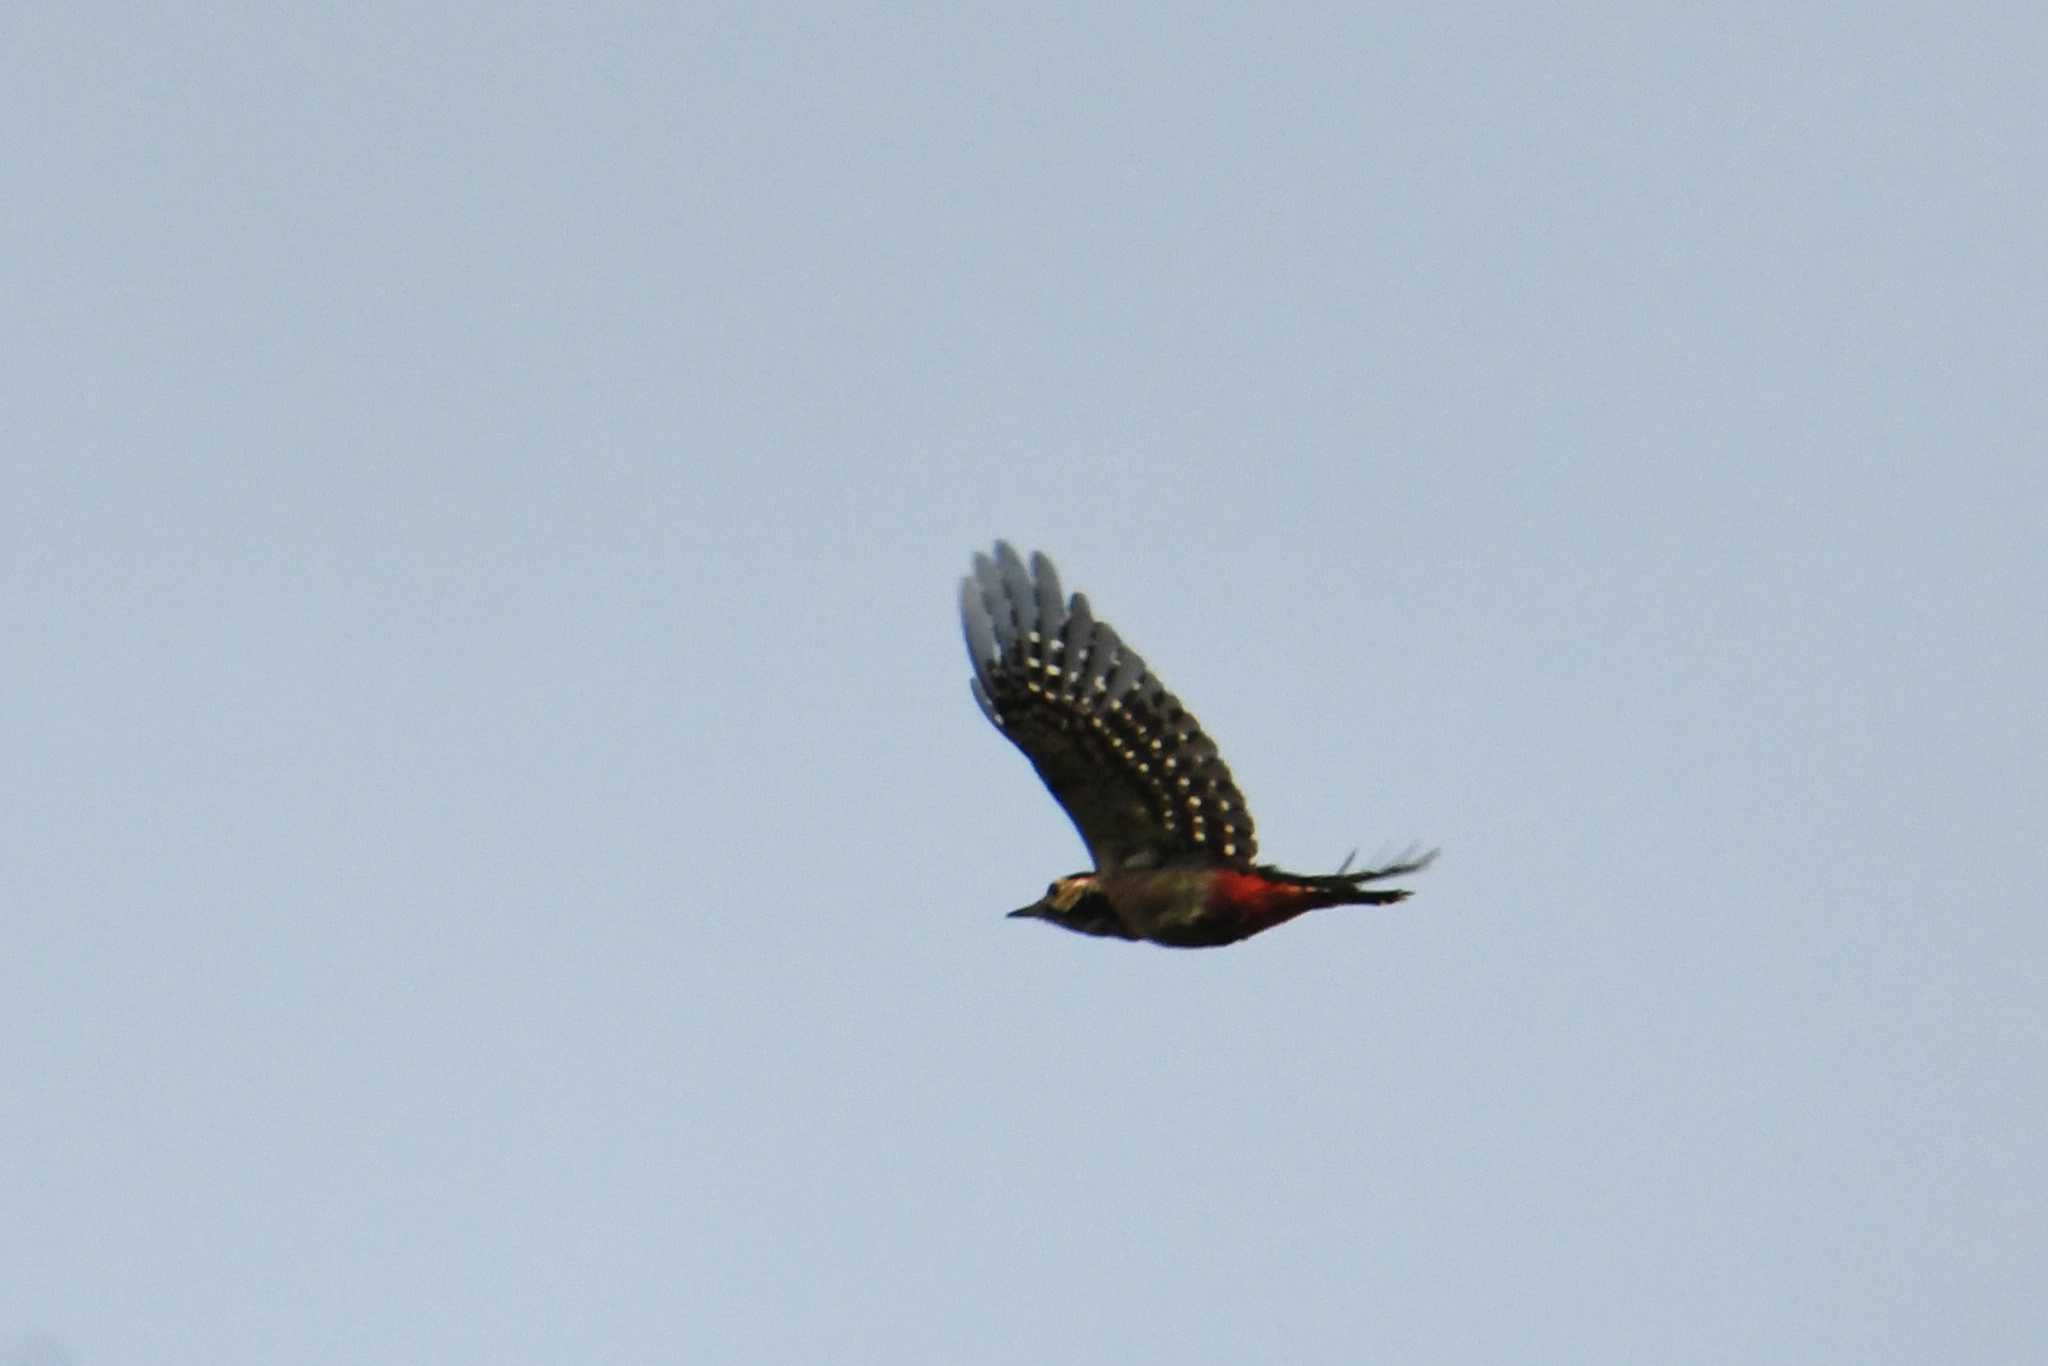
{"x":500,"y":863}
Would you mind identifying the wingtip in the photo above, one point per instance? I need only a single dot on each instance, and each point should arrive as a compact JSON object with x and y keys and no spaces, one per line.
{"x":1051,"y":604}
{"x":1020,"y":599}
{"x":978,"y":630}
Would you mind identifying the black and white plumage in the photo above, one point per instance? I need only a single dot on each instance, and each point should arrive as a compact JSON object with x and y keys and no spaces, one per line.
{"x":1142,"y":783}
{"x":1173,"y":845}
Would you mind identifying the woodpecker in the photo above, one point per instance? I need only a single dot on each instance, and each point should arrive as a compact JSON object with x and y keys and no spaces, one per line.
{"x":1175,"y":855}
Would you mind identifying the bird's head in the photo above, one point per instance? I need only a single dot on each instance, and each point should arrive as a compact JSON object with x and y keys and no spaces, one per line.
{"x":1075,"y":903}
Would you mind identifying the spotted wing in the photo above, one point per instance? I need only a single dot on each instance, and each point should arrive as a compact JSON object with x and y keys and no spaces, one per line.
{"x":1142,"y":783}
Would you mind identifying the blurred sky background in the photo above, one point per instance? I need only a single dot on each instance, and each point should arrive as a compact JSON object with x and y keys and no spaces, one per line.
{"x":499,"y":862}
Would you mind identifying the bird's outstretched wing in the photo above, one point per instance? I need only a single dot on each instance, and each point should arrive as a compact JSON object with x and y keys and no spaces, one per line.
{"x":1142,"y":783}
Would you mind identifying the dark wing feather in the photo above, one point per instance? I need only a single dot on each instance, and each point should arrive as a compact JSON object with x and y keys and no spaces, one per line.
{"x":1142,"y":783}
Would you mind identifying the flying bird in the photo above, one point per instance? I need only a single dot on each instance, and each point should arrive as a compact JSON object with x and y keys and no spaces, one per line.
{"x":1174,"y":849}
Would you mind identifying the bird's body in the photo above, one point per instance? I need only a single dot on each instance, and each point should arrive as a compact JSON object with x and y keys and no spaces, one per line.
{"x":1173,"y":845}
{"x":1191,"y":907}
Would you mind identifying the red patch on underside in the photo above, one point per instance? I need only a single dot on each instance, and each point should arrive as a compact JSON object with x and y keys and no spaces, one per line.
{"x":1259,"y":900}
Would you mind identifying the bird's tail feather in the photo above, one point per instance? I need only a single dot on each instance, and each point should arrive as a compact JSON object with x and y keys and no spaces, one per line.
{"x":1346,"y":888}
